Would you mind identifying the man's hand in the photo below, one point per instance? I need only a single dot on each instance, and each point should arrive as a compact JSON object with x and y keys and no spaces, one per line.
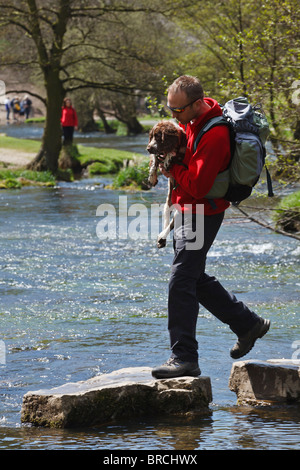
{"x":163,"y":170}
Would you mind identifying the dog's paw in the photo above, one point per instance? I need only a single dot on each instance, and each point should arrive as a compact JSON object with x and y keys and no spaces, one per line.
{"x":161,"y":242}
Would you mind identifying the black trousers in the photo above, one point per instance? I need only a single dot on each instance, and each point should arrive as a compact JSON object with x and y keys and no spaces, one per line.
{"x":68,"y":132}
{"x":190,"y":285}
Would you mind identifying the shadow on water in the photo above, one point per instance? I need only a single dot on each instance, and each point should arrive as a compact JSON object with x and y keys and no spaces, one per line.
{"x":74,"y":306}
{"x":229,"y":428}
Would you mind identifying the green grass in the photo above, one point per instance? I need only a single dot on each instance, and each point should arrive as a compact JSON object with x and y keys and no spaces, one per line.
{"x":89,"y":155}
{"x":14,"y":179}
{"x":22,"y":145}
{"x":98,"y":161}
{"x":35,"y":120}
{"x":133,"y":177}
{"x":40,"y":176}
{"x":104,"y":160}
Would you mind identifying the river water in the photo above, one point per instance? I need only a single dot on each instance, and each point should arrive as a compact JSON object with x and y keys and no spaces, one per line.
{"x":74,"y":306}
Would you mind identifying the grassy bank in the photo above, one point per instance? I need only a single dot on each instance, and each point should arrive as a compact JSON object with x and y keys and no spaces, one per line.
{"x":134,"y":177}
{"x":20,"y":145}
{"x":99,"y":161}
{"x":14,"y":176}
{"x":17,"y":178}
{"x":77,"y":159}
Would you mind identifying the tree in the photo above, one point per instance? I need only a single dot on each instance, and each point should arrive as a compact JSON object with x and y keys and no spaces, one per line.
{"x":247,"y":47}
{"x":61,"y":38}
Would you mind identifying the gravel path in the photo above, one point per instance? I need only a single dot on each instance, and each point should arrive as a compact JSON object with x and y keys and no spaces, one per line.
{"x":15,"y":157}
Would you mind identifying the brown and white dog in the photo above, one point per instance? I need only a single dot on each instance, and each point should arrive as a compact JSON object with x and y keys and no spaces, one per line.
{"x":167,"y":145}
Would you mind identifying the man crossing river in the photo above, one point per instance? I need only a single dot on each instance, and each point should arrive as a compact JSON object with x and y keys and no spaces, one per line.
{"x":189,"y":283}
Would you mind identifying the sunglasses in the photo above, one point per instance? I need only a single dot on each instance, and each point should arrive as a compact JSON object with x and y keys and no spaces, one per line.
{"x":180,"y":110}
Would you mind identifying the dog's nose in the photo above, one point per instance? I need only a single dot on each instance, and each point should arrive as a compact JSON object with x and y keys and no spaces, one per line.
{"x":151,"y":148}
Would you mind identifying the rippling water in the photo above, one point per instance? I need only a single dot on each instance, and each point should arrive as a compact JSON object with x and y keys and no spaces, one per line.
{"x":73,"y":306}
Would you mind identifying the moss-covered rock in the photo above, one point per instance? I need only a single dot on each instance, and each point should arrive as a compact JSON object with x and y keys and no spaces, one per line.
{"x":17,"y":178}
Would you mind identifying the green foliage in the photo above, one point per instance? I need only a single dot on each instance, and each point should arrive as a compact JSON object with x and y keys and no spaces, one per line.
{"x":39,"y":176}
{"x":287,"y":214}
{"x":134,"y":177}
{"x":103,"y":161}
{"x":104,"y":167}
{"x":248,"y":48}
{"x":14,"y":179}
{"x":10,"y":183}
{"x":234,"y":46}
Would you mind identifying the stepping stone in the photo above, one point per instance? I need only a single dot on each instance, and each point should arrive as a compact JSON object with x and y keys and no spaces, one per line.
{"x":272,"y":381}
{"x":124,"y":393}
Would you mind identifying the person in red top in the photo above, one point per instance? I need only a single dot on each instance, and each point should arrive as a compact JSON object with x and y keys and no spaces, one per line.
{"x":189,"y":283}
{"x":68,"y":121}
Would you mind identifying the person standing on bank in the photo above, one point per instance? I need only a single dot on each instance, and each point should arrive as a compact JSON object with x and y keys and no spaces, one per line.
{"x":189,"y":284}
{"x":26,"y":103}
{"x":7,"y":107}
{"x":68,"y":121}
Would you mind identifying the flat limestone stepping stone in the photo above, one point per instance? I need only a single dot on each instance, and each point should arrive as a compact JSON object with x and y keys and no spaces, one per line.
{"x":272,"y":381}
{"x":121,"y":394}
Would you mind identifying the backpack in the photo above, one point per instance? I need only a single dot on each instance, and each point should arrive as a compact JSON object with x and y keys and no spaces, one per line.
{"x":249,"y":131}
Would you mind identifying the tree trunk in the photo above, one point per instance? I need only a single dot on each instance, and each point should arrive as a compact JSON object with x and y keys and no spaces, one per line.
{"x":297,"y":130}
{"x":47,"y":158}
{"x":85,"y":111}
{"x":133,"y":125}
{"x":107,"y":127}
{"x":125,"y":111}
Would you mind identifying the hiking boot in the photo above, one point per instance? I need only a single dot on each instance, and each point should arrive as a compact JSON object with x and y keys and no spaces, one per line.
{"x":174,"y":367}
{"x":245,"y":343}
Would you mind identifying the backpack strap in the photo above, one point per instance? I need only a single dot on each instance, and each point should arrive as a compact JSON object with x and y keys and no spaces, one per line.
{"x":269,"y":183}
{"x":213,"y":122}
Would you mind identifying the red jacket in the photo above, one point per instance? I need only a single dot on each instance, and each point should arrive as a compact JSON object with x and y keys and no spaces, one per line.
{"x":69,"y":117}
{"x":212,"y":156}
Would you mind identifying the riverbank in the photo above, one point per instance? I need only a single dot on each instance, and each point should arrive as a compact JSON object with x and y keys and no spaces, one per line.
{"x":17,"y":153}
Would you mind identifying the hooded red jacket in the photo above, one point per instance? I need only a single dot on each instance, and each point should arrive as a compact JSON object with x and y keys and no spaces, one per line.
{"x":195,"y":179}
{"x":69,"y":117}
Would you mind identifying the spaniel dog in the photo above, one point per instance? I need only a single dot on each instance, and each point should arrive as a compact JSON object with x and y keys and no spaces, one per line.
{"x":167,"y":145}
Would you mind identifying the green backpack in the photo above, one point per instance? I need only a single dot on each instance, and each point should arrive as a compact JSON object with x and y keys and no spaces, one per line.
{"x":249,"y":131}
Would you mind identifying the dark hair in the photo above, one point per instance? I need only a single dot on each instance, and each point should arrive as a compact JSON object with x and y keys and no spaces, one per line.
{"x":65,"y":102}
{"x":190,"y":85}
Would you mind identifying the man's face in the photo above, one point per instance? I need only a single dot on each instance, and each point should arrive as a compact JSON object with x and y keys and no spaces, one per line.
{"x":179,"y":100}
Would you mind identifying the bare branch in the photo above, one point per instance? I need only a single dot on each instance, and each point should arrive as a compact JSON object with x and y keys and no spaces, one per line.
{"x":35,"y":95}
{"x":266,"y":225}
